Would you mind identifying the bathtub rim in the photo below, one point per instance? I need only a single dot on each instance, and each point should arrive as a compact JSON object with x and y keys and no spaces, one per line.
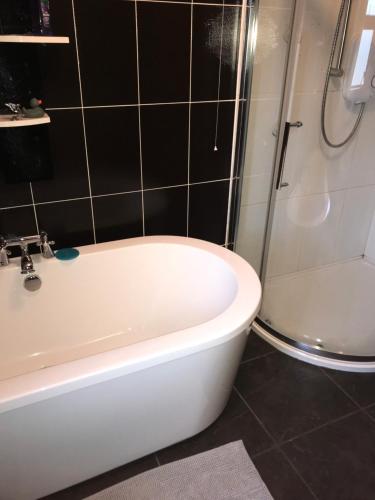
{"x":33,"y":387}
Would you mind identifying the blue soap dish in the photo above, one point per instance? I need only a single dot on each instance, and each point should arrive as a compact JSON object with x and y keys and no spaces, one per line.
{"x":67,"y":253}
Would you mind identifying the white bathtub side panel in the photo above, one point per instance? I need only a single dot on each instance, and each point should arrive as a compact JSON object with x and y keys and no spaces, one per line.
{"x":50,"y":445}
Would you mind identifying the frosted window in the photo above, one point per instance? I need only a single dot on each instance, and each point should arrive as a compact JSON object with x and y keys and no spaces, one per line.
{"x":362,"y":58}
{"x":370,"y":8}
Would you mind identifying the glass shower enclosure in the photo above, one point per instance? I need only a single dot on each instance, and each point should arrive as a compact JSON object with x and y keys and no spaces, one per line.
{"x":306,"y":214}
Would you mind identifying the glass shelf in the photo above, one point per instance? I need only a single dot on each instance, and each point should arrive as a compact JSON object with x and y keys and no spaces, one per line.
{"x":33,"y":39}
{"x":7,"y":121}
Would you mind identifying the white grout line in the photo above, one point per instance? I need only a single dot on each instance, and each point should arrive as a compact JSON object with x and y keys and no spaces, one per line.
{"x":17,"y":206}
{"x":185,"y":102}
{"x":35,"y":214}
{"x":114,"y":194}
{"x":238,"y":5}
{"x":69,"y":108}
{"x":206,"y":4}
{"x":209,"y":182}
{"x":219,"y":76}
{"x":139,"y":115}
{"x":189,"y":121}
{"x":83,"y":122}
{"x":62,"y":201}
{"x":141,"y":104}
{"x":166,"y":187}
{"x":241,"y":49}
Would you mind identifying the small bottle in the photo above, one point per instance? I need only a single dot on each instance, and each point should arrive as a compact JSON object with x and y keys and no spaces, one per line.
{"x":40,"y":17}
{"x":45,"y":23}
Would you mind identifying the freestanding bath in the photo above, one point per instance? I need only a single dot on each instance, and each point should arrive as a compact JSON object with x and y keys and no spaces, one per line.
{"x":128,"y":349}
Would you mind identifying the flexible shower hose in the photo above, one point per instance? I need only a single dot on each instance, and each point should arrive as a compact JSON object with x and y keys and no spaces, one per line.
{"x":325,"y":91}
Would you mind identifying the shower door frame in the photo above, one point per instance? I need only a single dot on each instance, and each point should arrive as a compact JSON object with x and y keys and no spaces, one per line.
{"x":298,"y":10}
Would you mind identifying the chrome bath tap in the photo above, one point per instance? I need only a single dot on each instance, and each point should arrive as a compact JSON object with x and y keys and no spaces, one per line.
{"x":32,"y":280}
{"x":27,"y":265}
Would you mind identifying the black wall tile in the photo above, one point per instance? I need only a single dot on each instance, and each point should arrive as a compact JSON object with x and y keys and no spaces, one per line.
{"x":25,"y":153}
{"x":13,"y":194}
{"x":208,"y":210}
{"x":209,"y":42}
{"x":68,"y":158}
{"x":58,"y":63}
{"x":164,"y":52}
{"x":118,"y":217}
{"x":17,"y":221}
{"x":206,"y":163}
{"x":164,"y":145}
{"x":108,"y":65}
{"x":20,"y":77}
{"x":68,"y":223}
{"x":49,"y":72}
{"x":166,"y":211}
{"x":113,"y":149}
{"x":107,"y":51}
{"x":15,"y":16}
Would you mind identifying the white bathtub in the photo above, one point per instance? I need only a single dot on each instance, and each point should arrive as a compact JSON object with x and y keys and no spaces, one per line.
{"x":128,"y":349}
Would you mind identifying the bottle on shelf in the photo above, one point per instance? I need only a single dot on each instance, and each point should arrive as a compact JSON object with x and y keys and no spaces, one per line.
{"x":40,"y":12}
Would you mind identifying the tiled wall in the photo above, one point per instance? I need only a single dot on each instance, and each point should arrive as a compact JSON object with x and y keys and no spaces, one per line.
{"x":138,"y":101}
{"x":370,"y":246}
{"x":324,"y":216}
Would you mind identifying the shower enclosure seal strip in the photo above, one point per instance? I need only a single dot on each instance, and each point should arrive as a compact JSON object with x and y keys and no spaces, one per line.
{"x":309,"y":349}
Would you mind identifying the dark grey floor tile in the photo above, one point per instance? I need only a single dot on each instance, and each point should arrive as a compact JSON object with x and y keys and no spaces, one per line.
{"x":360,"y":386}
{"x":256,"y":347}
{"x":98,"y":483}
{"x":281,"y":479}
{"x":338,"y":461}
{"x":289,"y":396}
{"x":236,"y":422}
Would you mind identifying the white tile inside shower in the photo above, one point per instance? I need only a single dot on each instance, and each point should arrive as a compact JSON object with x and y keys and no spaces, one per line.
{"x":325,"y":213}
{"x":272,"y":43}
{"x":286,"y":239}
{"x":355,"y":222}
{"x":256,"y":189}
{"x":370,"y":246}
{"x":251,"y":232}
{"x":271,"y":49}
{"x":261,"y":138}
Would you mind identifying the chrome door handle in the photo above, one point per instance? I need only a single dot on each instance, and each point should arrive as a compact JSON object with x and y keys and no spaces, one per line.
{"x":279,"y":183}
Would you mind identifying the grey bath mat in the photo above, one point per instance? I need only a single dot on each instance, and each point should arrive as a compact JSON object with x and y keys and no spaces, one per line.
{"x":225,"y":473}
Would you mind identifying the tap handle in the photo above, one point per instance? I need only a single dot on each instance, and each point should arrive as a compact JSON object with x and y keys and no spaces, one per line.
{"x":45,"y":245}
{"x":4,"y":253}
{"x":44,"y":238}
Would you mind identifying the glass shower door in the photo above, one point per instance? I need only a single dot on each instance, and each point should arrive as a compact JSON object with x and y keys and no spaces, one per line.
{"x":318,"y":267}
{"x":274,"y":22}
